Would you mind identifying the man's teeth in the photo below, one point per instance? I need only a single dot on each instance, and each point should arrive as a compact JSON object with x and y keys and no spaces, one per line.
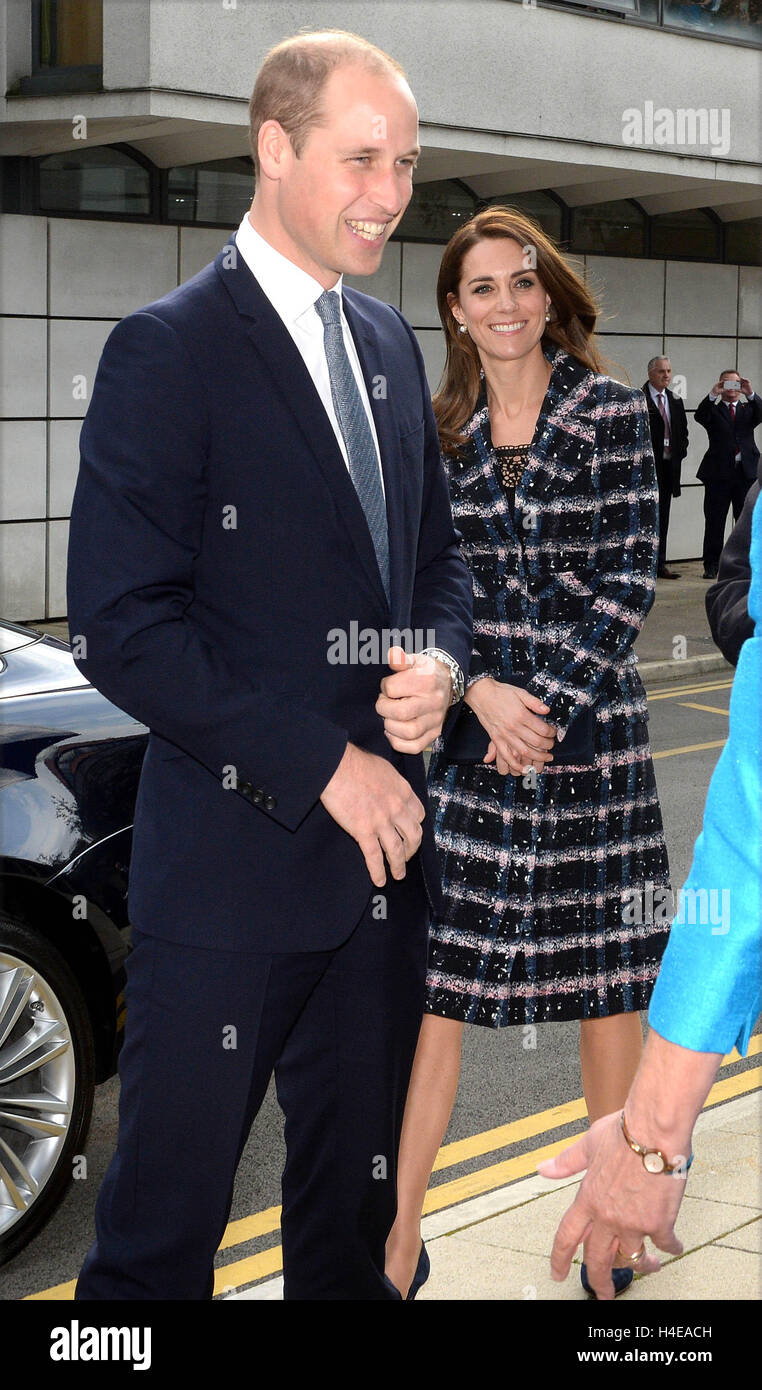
{"x":507,"y":327}
{"x":369,"y":231}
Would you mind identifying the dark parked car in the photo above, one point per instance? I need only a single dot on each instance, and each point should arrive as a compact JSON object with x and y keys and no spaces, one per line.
{"x":69,"y":774}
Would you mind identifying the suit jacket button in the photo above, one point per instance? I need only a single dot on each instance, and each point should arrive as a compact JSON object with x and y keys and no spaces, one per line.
{"x":257,"y":795}
{"x":270,"y":803}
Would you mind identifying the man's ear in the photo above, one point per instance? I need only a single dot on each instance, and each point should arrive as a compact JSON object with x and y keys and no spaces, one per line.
{"x":273,"y":148}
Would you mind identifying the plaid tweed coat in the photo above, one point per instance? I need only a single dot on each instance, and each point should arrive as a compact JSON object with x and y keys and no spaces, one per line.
{"x":540,"y":875}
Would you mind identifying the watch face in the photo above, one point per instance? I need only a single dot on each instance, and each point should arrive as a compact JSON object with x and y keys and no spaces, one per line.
{"x":654,"y":1161}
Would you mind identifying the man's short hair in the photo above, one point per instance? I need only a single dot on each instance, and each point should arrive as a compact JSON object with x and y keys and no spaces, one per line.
{"x":290,"y":82}
{"x":730,"y":371}
{"x":661,"y":358}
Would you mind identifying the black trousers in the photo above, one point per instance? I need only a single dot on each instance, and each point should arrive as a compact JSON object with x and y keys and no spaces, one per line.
{"x":205,"y":1029}
{"x":718,"y":497}
{"x":665,"y":502}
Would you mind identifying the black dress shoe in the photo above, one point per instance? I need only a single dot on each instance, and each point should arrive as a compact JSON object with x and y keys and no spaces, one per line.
{"x":664,"y":573}
{"x":710,"y":572}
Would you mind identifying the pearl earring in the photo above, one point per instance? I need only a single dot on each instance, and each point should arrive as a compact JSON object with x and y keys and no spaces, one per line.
{"x":462,"y":328}
{"x":547,"y":318}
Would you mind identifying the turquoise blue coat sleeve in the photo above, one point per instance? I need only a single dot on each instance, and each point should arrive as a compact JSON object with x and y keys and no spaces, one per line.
{"x":707,"y":996}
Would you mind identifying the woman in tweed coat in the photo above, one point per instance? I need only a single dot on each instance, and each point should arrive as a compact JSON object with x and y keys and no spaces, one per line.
{"x":545,"y":868}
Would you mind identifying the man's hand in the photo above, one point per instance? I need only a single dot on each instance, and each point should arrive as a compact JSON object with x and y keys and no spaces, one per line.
{"x":746,"y":386}
{"x":369,"y":799}
{"x":414,"y":700}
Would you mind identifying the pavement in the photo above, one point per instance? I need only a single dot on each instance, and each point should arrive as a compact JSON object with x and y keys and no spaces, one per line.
{"x":675,"y":642}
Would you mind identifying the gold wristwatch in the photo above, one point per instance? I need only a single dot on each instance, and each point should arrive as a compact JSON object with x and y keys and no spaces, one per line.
{"x":654,"y":1160}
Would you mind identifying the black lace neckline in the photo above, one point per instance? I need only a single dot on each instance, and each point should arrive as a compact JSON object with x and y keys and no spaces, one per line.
{"x":511,"y":460}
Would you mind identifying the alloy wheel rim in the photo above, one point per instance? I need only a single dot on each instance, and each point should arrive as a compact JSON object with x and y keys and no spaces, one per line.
{"x":37,"y":1084}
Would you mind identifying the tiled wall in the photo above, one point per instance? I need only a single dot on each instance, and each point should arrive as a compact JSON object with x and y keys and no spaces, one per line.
{"x":65,"y":282}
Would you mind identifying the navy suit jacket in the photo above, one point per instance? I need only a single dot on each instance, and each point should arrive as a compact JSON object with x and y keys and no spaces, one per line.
{"x":216,"y":544}
{"x":727,"y":438}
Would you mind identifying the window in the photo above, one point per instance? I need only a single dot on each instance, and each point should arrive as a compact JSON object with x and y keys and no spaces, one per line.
{"x":737,"y":21}
{"x":724,"y":19}
{"x":436,"y":210}
{"x":619,"y":6}
{"x":686,"y":236}
{"x":743,"y":241}
{"x":541,"y":206}
{"x":218,"y":191}
{"x":94,"y":180}
{"x":67,"y":47}
{"x":609,"y":229}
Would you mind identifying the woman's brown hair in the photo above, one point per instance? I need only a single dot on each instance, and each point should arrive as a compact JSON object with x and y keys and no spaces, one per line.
{"x":573,"y":312}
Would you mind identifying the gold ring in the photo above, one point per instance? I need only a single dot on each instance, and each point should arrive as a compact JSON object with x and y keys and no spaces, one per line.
{"x":633,"y":1259}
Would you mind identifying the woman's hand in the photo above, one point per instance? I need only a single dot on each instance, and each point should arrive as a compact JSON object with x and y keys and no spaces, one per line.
{"x":519,"y":738}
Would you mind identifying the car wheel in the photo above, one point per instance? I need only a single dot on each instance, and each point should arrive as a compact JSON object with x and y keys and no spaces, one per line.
{"x":47,"y":1081}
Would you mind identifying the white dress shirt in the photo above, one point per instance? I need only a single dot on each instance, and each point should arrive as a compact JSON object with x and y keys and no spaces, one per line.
{"x":292,"y":293}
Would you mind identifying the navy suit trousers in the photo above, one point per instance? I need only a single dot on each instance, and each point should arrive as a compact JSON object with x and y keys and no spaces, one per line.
{"x":205,"y":1030}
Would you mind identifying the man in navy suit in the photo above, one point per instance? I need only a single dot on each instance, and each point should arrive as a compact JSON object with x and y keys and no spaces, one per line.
{"x":729,"y":465}
{"x":260,"y":474}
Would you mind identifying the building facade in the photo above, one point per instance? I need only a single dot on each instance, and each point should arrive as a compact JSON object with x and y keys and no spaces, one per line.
{"x":629,"y":128}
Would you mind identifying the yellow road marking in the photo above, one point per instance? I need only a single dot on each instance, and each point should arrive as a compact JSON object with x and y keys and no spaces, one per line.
{"x":58,"y":1291}
{"x":689,"y":748}
{"x":710,"y":709}
{"x":451,"y":1154}
{"x":734,"y":1086}
{"x":673,"y":690}
{"x":545,"y":1120}
{"x":268,"y":1262}
{"x":238,"y":1232}
{"x":234,"y":1276}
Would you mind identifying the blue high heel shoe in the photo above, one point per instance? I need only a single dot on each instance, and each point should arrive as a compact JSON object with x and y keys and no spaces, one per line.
{"x":423,"y":1270}
{"x":622,"y":1278}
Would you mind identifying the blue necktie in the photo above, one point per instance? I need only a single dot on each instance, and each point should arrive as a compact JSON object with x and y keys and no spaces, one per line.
{"x":353,"y":421}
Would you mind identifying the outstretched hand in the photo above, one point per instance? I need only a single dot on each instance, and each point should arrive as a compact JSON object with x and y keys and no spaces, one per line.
{"x":617,"y":1205}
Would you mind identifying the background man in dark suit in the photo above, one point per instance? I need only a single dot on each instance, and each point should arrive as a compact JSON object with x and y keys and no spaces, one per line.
{"x":729,"y":465}
{"x":669,"y":437}
{"x":260,"y":473}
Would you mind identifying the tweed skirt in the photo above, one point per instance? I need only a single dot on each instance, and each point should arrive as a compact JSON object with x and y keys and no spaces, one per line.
{"x":556,"y":894}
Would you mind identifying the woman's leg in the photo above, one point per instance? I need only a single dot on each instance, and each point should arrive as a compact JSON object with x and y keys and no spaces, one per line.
{"x":430,"y":1098}
{"x":609,"y":1053}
